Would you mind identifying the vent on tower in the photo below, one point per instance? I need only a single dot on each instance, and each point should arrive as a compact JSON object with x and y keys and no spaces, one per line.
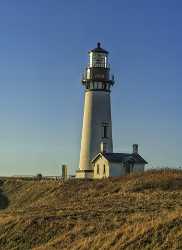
{"x":103,"y":147}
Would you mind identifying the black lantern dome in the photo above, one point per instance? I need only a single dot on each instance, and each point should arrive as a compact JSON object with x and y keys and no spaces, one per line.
{"x":98,"y":49}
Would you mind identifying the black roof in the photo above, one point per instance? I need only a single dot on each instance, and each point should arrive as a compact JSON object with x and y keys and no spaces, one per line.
{"x":99,"y":49}
{"x":123,"y":157}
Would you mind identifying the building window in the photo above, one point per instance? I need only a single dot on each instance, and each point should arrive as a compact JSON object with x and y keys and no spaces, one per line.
{"x":104,"y":170}
{"x":98,"y":169}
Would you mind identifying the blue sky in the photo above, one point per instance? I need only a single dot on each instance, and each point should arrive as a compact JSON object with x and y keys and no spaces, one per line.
{"x":43,"y":52}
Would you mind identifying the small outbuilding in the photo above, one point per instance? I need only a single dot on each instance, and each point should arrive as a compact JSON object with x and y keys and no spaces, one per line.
{"x":117,"y":164}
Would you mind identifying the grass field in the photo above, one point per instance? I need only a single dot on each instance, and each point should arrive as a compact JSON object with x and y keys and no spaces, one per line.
{"x":134,"y":212}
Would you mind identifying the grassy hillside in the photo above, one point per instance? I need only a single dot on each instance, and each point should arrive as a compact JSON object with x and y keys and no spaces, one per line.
{"x":134,"y":212}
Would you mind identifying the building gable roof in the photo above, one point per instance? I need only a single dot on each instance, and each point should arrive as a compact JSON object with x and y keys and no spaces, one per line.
{"x":121,"y":157}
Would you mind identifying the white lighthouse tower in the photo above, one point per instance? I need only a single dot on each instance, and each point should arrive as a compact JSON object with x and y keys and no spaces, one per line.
{"x":97,"y":123}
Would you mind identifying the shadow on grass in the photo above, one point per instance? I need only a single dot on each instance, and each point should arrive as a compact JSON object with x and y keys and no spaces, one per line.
{"x":4,"y":202}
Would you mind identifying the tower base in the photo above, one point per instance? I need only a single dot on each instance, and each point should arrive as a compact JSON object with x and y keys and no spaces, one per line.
{"x":84,"y":174}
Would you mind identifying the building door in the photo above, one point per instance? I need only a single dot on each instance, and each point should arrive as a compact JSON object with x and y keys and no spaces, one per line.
{"x":128,"y":168}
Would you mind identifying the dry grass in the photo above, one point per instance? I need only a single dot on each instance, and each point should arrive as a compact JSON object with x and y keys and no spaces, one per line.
{"x":134,"y":212}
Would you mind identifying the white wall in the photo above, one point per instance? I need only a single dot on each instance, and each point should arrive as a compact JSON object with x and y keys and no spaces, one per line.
{"x":97,"y":110}
{"x":111,"y":169}
{"x":116,"y":169}
{"x":138,"y":167}
{"x":81,"y":175}
{"x":101,"y":162}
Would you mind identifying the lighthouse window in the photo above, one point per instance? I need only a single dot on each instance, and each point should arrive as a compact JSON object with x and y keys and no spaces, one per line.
{"x":100,"y":85}
{"x":97,"y":60}
{"x":103,"y":86}
{"x":88,"y":73}
{"x":104,"y":131}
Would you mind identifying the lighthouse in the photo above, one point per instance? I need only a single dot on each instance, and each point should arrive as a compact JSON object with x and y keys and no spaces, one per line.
{"x":97,"y":122}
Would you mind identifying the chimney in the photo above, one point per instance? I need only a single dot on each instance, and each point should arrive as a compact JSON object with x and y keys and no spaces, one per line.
{"x":103,"y":147}
{"x":135,"y":148}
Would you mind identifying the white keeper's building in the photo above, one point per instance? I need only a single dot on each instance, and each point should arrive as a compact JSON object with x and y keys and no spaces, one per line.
{"x":97,"y":159}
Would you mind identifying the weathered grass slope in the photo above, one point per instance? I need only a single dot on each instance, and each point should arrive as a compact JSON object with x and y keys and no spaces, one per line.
{"x":134,"y":212}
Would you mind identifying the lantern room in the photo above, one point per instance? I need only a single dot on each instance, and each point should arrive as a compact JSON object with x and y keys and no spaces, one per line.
{"x":97,"y":74}
{"x":98,"y":57}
